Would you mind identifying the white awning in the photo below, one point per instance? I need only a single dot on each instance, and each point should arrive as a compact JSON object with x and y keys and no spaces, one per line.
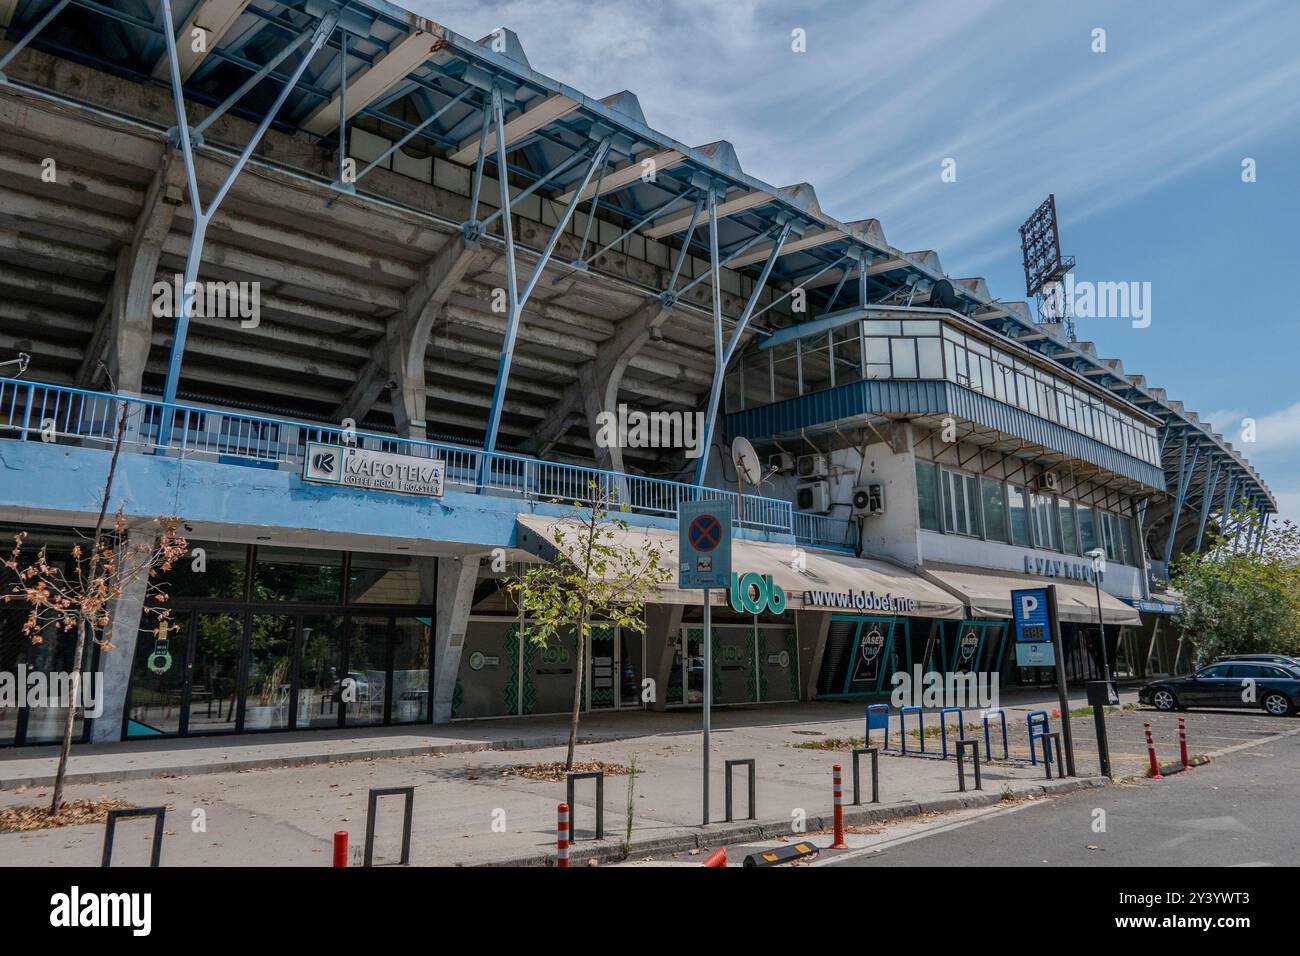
{"x":989,"y":594}
{"x":812,"y":580}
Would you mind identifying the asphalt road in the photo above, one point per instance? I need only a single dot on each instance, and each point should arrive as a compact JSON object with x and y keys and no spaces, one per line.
{"x":1239,"y":810}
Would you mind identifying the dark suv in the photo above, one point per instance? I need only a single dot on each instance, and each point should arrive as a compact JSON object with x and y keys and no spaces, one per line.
{"x":1224,"y":684}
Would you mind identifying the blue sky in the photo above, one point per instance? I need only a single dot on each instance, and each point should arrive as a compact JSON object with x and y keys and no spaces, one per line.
{"x":1142,"y":145}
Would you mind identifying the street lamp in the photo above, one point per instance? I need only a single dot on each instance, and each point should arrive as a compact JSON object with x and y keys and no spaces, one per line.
{"x":1098,"y":556}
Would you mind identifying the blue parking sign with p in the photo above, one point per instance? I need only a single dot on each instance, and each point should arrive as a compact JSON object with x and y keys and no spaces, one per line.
{"x":704,"y":544}
{"x":1030,"y":610}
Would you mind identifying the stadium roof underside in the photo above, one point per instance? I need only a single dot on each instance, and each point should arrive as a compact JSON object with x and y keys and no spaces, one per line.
{"x":338,"y":261}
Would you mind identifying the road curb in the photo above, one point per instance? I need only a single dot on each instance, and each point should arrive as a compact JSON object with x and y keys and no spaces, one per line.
{"x":610,"y":851}
{"x":280,"y":763}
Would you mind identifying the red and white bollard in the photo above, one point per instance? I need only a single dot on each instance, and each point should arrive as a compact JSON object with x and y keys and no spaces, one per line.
{"x":1182,"y":741}
{"x":340,"y":847}
{"x":839,"y":843}
{"x":562,"y":837}
{"x":1151,"y":752}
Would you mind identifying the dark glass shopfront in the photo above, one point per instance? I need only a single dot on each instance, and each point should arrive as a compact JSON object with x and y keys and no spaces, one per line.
{"x":269,"y":638}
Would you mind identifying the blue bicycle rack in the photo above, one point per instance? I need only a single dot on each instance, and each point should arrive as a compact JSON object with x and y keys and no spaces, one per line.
{"x":1044,"y":728}
{"x":877,"y":717}
{"x":988,"y":746}
{"x":943,"y":726}
{"x":902,"y":726}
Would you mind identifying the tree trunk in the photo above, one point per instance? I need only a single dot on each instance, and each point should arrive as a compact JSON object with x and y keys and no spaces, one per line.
{"x":577,"y":690}
{"x":71,"y":719}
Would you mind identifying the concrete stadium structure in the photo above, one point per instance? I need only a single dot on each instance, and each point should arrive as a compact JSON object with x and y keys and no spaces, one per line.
{"x":344,"y":169}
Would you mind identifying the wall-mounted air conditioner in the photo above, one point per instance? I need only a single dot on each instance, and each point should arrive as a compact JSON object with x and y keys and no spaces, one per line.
{"x":814,"y":466}
{"x":869,"y":499}
{"x":782,"y":463}
{"x":813,"y":497}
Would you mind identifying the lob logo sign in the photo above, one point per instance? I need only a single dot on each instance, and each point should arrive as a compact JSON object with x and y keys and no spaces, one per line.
{"x":755,"y":593}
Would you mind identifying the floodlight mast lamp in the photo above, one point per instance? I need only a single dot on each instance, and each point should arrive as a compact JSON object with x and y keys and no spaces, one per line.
{"x":203,"y":215}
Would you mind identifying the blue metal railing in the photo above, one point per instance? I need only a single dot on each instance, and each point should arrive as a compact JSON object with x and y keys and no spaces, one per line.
{"x":824,"y":531}
{"x":36,"y":411}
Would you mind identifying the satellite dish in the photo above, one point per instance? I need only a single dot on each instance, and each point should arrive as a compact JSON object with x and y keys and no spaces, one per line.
{"x":748,"y":467}
{"x":944,"y":296}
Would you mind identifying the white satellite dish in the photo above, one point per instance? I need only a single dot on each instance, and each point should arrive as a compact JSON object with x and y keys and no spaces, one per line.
{"x":748,"y":467}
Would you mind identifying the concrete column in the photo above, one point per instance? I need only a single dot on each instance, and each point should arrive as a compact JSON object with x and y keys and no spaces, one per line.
{"x":456,"y":580}
{"x":662,"y":622}
{"x":813,"y":626}
{"x":115,"y":665}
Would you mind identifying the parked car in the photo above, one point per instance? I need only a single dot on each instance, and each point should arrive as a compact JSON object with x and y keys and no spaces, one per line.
{"x":1261,"y":659}
{"x":1277,"y":688}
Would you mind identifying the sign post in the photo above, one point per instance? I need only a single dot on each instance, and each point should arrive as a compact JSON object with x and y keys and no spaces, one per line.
{"x":704,"y":563}
{"x":1038,"y":643}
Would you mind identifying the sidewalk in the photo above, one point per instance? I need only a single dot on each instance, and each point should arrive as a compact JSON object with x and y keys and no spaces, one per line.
{"x":143,"y":758}
{"x":467,"y":813}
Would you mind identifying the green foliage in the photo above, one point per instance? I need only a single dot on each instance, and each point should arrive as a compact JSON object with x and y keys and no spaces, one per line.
{"x":597,"y":575}
{"x":594,"y":577}
{"x":1237,"y":600}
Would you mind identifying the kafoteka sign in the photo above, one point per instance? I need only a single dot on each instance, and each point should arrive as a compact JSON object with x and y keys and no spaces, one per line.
{"x":373,"y":470}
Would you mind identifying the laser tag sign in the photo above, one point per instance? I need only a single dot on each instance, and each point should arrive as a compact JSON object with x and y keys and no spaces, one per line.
{"x":1030,"y":611}
{"x":704,"y":544}
{"x":373,"y":470}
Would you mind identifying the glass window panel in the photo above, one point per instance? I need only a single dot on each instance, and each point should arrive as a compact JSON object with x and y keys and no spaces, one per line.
{"x":1126,"y":541}
{"x":848,"y":353}
{"x":270,"y":678}
{"x":878,"y":371}
{"x":154,"y":708}
{"x":917,"y":327}
{"x":995,"y":510}
{"x":977,"y":346}
{"x":1045,"y":532}
{"x":387,"y":579}
{"x":881,"y":327}
{"x":412,"y":654}
{"x":297,"y":574}
{"x":903,"y":353}
{"x":1069,"y":539}
{"x":878,"y":351}
{"x":953,"y":335}
{"x":214,"y":687}
{"x":367,"y":671}
{"x":320,"y":670}
{"x":1019,"y":515}
{"x":929,"y":358}
{"x":218,"y":572}
{"x":816,"y":369}
{"x":1087,"y":527}
{"x":926,"y":496}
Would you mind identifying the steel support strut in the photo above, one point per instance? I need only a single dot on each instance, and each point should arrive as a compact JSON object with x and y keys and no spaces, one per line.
{"x":26,"y":38}
{"x":203,"y":216}
{"x":515,"y":299}
{"x":1207,"y":499}
{"x":1185,"y":473}
{"x":721,"y":358}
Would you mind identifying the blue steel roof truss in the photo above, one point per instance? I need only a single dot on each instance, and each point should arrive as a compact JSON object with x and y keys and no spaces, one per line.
{"x":139,"y":46}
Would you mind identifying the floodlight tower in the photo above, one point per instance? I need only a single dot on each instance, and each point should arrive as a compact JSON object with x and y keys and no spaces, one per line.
{"x":1045,"y":267}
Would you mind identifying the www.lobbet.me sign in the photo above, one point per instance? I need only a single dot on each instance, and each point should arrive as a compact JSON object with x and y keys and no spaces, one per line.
{"x":373,"y":470}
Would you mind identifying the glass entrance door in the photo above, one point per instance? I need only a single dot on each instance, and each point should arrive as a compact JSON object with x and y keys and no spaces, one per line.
{"x":212,"y":697}
{"x":602,"y":690}
{"x":366,"y":687}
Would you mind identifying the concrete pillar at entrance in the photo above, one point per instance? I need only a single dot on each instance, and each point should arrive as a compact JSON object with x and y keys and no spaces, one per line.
{"x":456,"y":580}
{"x":813,"y":627}
{"x":662,"y":623}
{"x":115,"y":664}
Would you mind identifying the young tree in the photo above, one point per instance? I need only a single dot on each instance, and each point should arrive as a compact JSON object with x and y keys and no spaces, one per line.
{"x":76,"y":596}
{"x":1238,"y":599}
{"x":595,"y":576}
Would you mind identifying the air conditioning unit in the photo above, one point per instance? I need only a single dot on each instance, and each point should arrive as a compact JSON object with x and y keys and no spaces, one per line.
{"x":782,"y":463}
{"x":869,"y":499}
{"x":814,"y":466}
{"x":1048,"y":481}
{"x":813,"y":497}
